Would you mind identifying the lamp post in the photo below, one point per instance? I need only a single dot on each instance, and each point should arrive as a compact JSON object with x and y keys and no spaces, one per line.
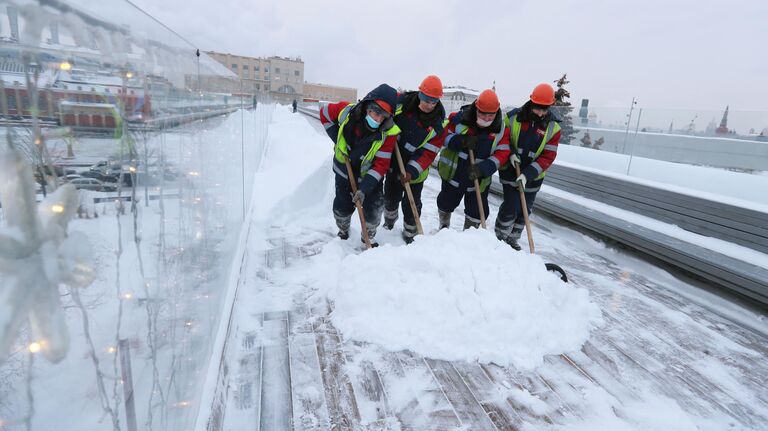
{"x":632,"y":152}
{"x":629,"y":119}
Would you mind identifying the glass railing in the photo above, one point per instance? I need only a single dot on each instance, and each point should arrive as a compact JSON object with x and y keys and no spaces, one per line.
{"x":721,"y":154}
{"x":127,"y":161}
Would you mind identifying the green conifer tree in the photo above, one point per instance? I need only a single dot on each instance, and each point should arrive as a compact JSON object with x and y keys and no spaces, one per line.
{"x":563,"y":109}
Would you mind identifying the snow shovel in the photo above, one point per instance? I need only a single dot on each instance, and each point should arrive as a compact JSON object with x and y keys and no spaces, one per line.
{"x":359,"y":206}
{"x":550,"y":266}
{"x":477,"y":191}
{"x":408,"y":192}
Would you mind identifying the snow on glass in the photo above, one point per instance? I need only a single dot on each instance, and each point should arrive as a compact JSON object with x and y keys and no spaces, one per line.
{"x":35,"y":256}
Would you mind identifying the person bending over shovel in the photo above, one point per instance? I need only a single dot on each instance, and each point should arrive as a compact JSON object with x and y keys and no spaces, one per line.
{"x":476,"y":146}
{"x":365,"y":135}
{"x":420,"y":116}
{"x":534,"y":133}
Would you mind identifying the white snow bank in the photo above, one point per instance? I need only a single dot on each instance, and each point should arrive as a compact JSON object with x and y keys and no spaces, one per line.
{"x":454,"y":296}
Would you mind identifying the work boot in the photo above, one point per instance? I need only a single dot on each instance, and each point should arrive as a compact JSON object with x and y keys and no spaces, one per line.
{"x":409,"y":231}
{"x":342,"y":222}
{"x":445,"y":219}
{"x":503,"y":229}
{"x":512,"y":238}
{"x":390,"y":217}
{"x":468,"y":223}
{"x":371,"y":228}
{"x":513,"y":243}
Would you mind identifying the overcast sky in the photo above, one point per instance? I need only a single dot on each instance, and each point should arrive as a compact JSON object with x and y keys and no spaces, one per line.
{"x":671,"y":54}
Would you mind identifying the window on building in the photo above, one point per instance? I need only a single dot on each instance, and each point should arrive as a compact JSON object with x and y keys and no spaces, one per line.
{"x":266,"y":69}
{"x":107,"y":90}
{"x":277,"y":70}
{"x":234,"y":66}
{"x":296,"y":73}
{"x":93,"y":88}
{"x":258,"y":86}
{"x":256,"y":68}
{"x":79,"y":88}
{"x":245,"y":67}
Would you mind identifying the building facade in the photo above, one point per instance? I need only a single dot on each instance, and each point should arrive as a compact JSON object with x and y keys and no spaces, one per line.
{"x":328,"y":93}
{"x":458,"y":96}
{"x":281,"y":78}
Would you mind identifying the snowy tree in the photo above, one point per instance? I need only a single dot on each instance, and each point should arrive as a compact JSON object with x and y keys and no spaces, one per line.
{"x":586,"y":141}
{"x":598,"y":143}
{"x":563,"y":109}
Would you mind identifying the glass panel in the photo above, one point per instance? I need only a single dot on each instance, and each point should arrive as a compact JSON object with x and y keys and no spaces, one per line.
{"x":704,"y":151}
{"x":125,"y":173}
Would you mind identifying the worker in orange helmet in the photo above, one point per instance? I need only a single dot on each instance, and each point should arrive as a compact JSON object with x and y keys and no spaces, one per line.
{"x":479,"y":127}
{"x":364,"y":135}
{"x":420,"y":116}
{"x":534,"y":133}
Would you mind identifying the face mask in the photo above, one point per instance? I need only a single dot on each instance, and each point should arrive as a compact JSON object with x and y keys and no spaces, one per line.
{"x":482,"y":123}
{"x":371,"y":122}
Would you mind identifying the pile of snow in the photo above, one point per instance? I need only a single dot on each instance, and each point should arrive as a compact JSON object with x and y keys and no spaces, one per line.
{"x":454,"y":296}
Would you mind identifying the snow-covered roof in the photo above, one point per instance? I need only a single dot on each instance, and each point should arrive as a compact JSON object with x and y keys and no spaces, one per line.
{"x":460,"y":89}
{"x":87,"y":104}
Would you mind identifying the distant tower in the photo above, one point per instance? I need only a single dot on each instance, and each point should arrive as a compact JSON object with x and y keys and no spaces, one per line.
{"x":671,"y":125}
{"x":723,"y":129}
{"x":494,"y":86}
{"x":692,"y":126}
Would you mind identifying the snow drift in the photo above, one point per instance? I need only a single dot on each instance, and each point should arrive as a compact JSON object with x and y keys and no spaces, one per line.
{"x":454,"y":296}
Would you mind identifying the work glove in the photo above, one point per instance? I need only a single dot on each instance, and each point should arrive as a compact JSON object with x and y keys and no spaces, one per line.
{"x":474,"y":172}
{"x":521,"y":180}
{"x":358,"y":197}
{"x":469,"y":142}
{"x":465,"y":142}
{"x":515,"y":159}
{"x":405,"y":179}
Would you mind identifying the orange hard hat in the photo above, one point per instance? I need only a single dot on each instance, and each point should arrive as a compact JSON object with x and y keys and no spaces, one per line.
{"x":543,"y":94}
{"x":487,"y":101}
{"x":432,"y":86}
{"x":384,"y":105}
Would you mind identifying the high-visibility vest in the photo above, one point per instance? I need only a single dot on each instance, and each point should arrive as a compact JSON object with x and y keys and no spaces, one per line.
{"x":449,"y":159}
{"x":552,"y":128}
{"x":431,"y":133}
{"x":340,"y":149}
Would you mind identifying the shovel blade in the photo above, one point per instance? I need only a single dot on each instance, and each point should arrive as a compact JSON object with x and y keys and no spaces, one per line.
{"x":556,"y":269}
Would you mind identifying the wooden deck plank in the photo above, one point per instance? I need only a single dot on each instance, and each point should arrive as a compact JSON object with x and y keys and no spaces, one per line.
{"x":631,"y":354}
{"x":546,"y":406}
{"x":310,"y":411}
{"x":372,"y":402}
{"x":427,"y":408}
{"x":276,"y":405}
{"x":468,"y":409}
{"x":490,"y":395}
{"x":648,"y":350}
{"x":339,"y":394}
{"x":244,"y":398}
